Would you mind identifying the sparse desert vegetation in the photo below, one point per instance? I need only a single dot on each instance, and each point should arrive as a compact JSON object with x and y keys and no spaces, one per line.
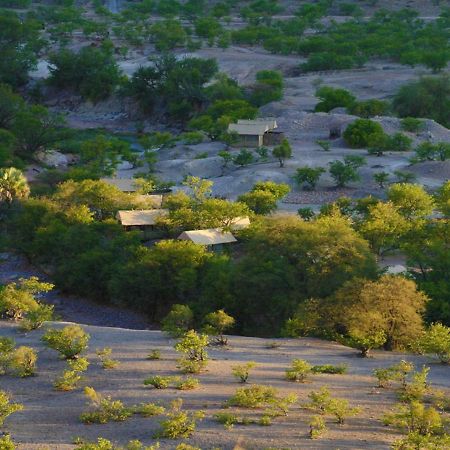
{"x":224,"y":224}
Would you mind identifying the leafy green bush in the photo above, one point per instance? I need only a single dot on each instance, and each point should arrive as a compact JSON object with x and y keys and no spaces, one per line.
{"x":299,"y":371}
{"x":35,"y":318}
{"x":70,"y":341}
{"x":158,"y":382}
{"x":228,"y":420}
{"x":361,"y":132}
{"x":17,"y":299}
{"x":323,"y":402}
{"x":411,"y":124}
{"x":193,"y":346}
{"x":329,"y":368}
{"x":6,"y":443}
{"x":428,"y":97}
{"x":105,"y":357}
{"x":216,"y":323}
{"x":369,"y":108}
{"x":104,"y":409}
{"x":427,"y":151}
{"x":72,"y":376}
{"x":92,"y":72}
{"x":243,"y":158}
{"x":178,"y":321}
{"x":149,"y":409}
{"x":6,"y":407}
{"x":179,"y":423}
{"x":23,"y":361}
{"x":282,"y":152}
{"x":331,"y":98}
{"x":242,"y":371}
{"x":308,"y":175}
{"x":316,"y":427}
{"x":255,"y":396}
{"x":417,"y":388}
{"x":104,"y":444}
{"x":415,"y":417}
{"x":187,"y":384}
{"x":436,"y":340}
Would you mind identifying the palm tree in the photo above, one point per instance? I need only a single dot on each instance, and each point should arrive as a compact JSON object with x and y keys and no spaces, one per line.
{"x":13,"y":185}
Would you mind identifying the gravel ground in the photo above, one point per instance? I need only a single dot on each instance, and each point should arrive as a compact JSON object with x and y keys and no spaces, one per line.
{"x":50,"y":419}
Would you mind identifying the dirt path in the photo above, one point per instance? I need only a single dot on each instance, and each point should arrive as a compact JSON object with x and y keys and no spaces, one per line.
{"x":71,"y":308}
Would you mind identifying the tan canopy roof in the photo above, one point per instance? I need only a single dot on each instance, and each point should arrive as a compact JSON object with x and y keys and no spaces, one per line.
{"x":211,"y":236}
{"x":140,"y":218}
{"x":240,"y":223}
{"x":255,"y":127}
{"x":155,"y":199}
{"x":124,"y":184}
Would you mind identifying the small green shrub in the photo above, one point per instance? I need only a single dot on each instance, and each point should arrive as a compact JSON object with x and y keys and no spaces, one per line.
{"x":6,"y":407}
{"x":193,"y":137}
{"x":242,"y":371}
{"x":34,"y":319}
{"x":415,"y":440}
{"x":319,"y":400}
{"x":187,"y":384}
{"x":216,"y":323}
{"x":265,"y":421}
{"x":228,"y":420}
{"x":18,"y":298}
{"x":360,"y":133}
{"x":23,"y":361}
{"x":256,"y":396}
{"x":414,"y":417}
{"x":324,"y":145}
{"x":179,"y":423}
{"x":329,"y":368}
{"x":341,"y":409}
{"x":149,"y":409}
{"x":70,"y":341}
{"x":299,"y":371}
{"x":178,"y":321}
{"x":193,"y":346}
{"x":104,"y":355}
{"x":411,"y":124}
{"x":384,"y":376}
{"x":154,"y":355}
{"x":104,"y":409}
{"x":416,"y":389}
{"x":158,"y":382}
{"x":70,"y":378}
{"x":104,"y":444}
{"x":316,"y":427}
{"x":6,"y":443}
{"x":436,"y":341}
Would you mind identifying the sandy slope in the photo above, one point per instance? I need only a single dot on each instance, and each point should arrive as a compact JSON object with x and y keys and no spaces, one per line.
{"x":51,"y":418}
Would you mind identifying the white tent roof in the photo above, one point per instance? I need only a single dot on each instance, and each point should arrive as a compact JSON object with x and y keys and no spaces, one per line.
{"x":211,"y":236}
{"x":140,"y":218}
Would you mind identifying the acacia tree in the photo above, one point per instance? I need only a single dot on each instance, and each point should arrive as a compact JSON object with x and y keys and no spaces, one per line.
{"x":282,"y":152}
{"x":391,"y":305}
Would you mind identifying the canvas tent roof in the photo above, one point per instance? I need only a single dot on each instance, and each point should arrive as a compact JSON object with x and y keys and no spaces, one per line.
{"x":124,"y":184}
{"x":211,"y":236}
{"x":140,"y":218}
{"x":255,"y":127}
{"x":155,"y":199}
{"x":240,"y":223}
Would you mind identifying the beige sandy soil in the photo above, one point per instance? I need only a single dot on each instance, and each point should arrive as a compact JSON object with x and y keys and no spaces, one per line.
{"x":51,"y":418}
